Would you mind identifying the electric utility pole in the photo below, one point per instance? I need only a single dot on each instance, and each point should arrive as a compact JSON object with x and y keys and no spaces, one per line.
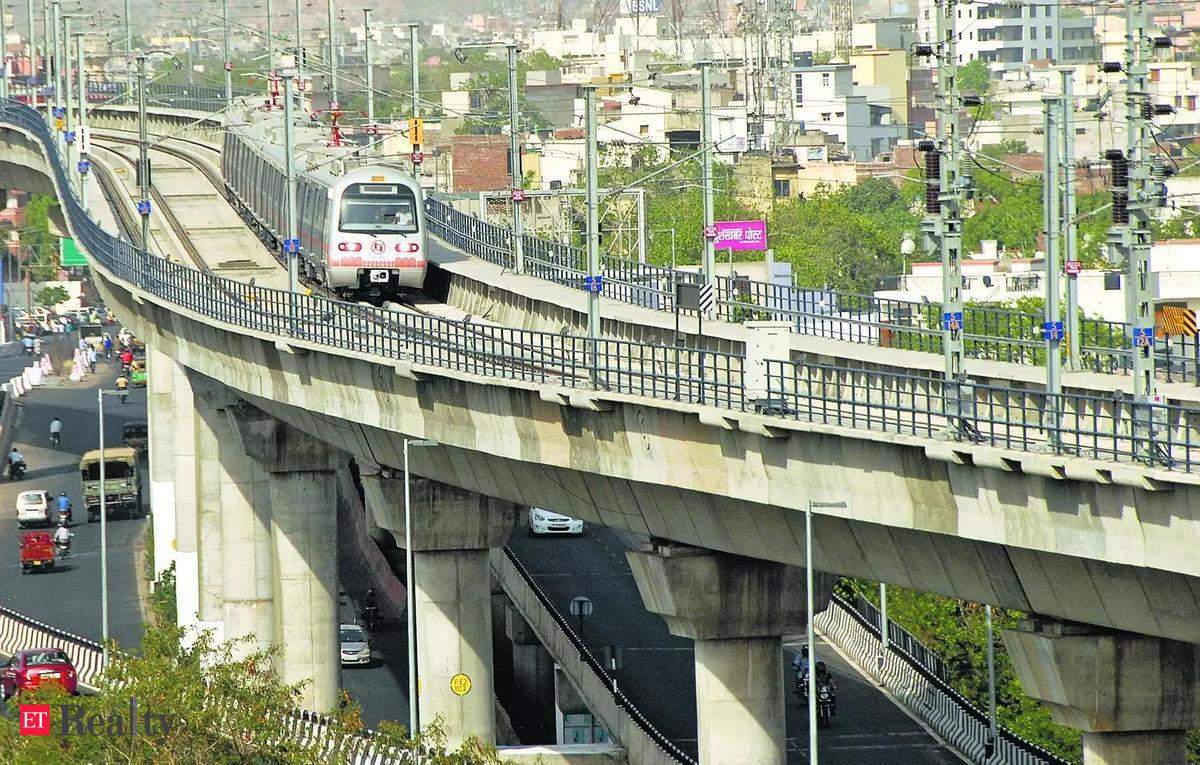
{"x":270,"y":41}
{"x":514,"y":153}
{"x":228,"y":63}
{"x":1130,"y":236}
{"x":1070,"y":226}
{"x":291,"y":247}
{"x":333,"y":91}
{"x":412,"y":52}
{"x":57,"y":22}
{"x":143,"y":174}
{"x":46,"y":63}
{"x":1052,"y":329}
{"x":942,"y":227}
{"x":593,"y":213}
{"x":370,"y":72}
{"x":69,"y":134}
{"x":299,"y":49}
{"x":32,"y":48}
{"x":82,"y":136}
{"x":129,"y":50}
{"x":3,"y":53}
{"x":706,"y":178}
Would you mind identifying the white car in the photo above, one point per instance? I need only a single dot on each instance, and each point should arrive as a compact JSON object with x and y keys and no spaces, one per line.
{"x":354,"y":646}
{"x":545,"y":522}
{"x":33,"y":507}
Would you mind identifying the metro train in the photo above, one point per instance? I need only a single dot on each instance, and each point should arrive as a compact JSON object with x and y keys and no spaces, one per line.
{"x":362,"y":233}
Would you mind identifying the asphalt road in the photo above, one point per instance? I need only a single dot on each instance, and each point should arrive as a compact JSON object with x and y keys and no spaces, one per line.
{"x":658,"y":672}
{"x":69,"y":596}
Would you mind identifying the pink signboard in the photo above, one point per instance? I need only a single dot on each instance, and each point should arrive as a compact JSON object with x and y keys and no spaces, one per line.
{"x":741,"y":235}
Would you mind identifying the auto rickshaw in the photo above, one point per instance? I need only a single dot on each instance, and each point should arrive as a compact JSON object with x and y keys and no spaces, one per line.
{"x":37,"y":551}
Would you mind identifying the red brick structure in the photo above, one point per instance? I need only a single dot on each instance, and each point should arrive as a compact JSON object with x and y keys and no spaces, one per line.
{"x":479,"y":162}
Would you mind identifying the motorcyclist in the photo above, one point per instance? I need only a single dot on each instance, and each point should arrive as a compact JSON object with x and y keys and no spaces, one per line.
{"x":16,"y":464}
{"x":62,"y":537}
{"x":64,"y":509}
{"x":123,"y":388}
{"x":370,"y":606}
{"x":55,"y":431}
{"x":825,"y":677}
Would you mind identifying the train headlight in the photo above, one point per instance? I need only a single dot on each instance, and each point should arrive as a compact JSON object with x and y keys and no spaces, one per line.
{"x":407,"y":247}
{"x":349,"y":246}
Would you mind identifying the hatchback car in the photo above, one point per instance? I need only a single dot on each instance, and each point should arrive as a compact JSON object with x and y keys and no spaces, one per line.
{"x":354,"y":649}
{"x":33,"y":509}
{"x":545,"y":522}
{"x":30,"y":668}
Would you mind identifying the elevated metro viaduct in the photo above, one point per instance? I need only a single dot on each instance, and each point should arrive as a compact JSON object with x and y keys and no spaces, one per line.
{"x":247,"y":427}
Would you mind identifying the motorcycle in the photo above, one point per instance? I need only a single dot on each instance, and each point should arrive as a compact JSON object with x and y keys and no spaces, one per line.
{"x":54,"y":439}
{"x":826,"y":704}
{"x":62,"y":548}
{"x":16,"y":471}
{"x":370,"y":616}
{"x":64,"y":515}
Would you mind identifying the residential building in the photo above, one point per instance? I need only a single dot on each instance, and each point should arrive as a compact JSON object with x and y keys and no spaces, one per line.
{"x":826,"y":99}
{"x":1011,"y":35}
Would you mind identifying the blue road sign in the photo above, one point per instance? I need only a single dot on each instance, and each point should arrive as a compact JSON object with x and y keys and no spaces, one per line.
{"x":84,"y":166}
{"x":143,"y":207}
{"x":291,"y":246}
{"x":594,"y":284}
{"x":952,"y":321}
{"x":69,"y":136}
{"x":1053,"y":330}
{"x":1143,"y":337}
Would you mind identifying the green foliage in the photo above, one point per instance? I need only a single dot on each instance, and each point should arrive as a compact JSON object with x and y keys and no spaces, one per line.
{"x":975,"y":78}
{"x":51,"y":296}
{"x":957,"y":631}
{"x":228,"y":700}
{"x":42,"y":246}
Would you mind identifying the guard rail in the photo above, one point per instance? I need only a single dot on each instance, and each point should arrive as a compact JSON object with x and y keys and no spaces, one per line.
{"x":1107,"y":428}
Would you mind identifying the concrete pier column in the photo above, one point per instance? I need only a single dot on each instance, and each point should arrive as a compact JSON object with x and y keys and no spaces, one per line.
{"x":209,"y":547}
{"x":160,"y":419}
{"x":187,"y":564}
{"x":533,"y":676}
{"x":452,"y":532}
{"x":1133,"y":696}
{"x":302,"y":494}
{"x":736,"y":610}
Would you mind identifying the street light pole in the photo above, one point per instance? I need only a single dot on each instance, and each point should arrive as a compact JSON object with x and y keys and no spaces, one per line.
{"x":270,"y":41}
{"x":46,"y":63}
{"x":57,"y":22}
{"x":370,"y":73}
{"x":66,"y":59}
{"x":128,"y":49}
{"x":32,"y":47}
{"x":3,"y":53}
{"x":103,"y":541}
{"x":514,"y":151}
{"x":991,"y":667}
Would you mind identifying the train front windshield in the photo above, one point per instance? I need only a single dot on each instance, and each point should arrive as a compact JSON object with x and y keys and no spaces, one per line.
{"x":378,"y":208}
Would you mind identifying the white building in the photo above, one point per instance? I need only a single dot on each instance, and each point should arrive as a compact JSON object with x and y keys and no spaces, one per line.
{"x":1012,"y":35}
{"x":826,"y":99}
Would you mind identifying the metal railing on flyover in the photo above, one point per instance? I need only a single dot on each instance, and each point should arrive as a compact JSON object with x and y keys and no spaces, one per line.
{"x":989,"y":332}
{"x":664,"y":748}
{"x":1097,"y":427}
{"x":913,"y":679}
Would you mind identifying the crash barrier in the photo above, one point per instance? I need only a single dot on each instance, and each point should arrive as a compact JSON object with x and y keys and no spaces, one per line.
{"x":1097,"y":427}
{"x":18,"y":632}
{"x":643,"y":743}
{"x":916,"y":685}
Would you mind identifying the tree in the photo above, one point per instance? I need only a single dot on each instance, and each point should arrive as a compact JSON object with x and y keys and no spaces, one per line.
{"x":974,"y":78}
{"x":49,"y":297}
{"x":41,"y":245}
{"x":227,"y":703}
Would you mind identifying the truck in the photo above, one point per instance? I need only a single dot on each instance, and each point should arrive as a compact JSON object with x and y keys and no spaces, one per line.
{"x":122,"y":487}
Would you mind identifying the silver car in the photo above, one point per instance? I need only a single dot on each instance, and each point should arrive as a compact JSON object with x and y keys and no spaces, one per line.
{"x":354,"y":646}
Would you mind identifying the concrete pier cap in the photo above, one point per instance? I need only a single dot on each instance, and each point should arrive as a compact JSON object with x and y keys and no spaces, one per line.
{"x":1133,"y":696}
{"x":444,"y":517}
{"x":708,"y":595}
